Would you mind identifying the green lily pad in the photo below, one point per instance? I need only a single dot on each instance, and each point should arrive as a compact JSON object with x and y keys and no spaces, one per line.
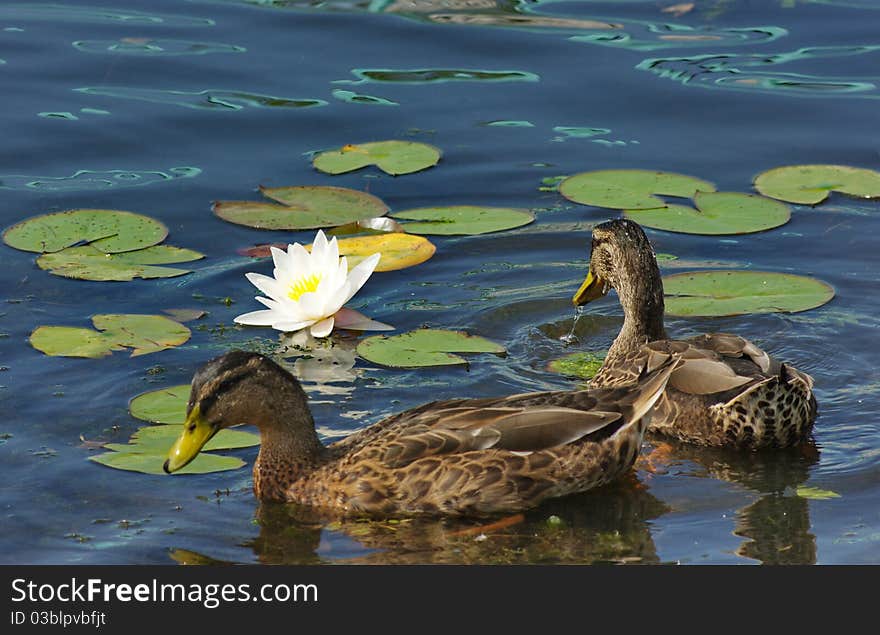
{"x":304,"y":207}
{"x":88,"y":263}
{"x":584,"y":364}
{"x":716,"y":293}
{"x":159,"y":439}
{"x":151,"y":463}
{"x":463,"y":220}
{"x":143,"y":333}
{"x":424,"y":347}
{"x":717,"y":213}
{"x":392,"y":157}
{"x":148,"y":447}
{"x":166,"y":405}
{"x":108,"y":231}
{"x":814,"y":493}
{"x":811,"y":184}
{"x":630,"y":189}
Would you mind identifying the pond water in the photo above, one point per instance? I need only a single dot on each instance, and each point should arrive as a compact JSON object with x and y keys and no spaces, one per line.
{"x":163,"y":107}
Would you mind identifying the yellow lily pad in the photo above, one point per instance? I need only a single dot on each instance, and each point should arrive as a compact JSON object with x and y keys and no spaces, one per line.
{"x":399,"y":251}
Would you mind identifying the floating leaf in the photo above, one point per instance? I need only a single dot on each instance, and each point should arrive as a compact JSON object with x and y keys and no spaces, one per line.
{"x":630,"y":189}
{"x":108,"y":231}
{"x":260,"y":251}
{"x":424,"y":347}
{"x":143,"y":333}
{"x":380,"y":225}
{"x":717,"y":213}
{"x":304,"y":207}
{"x":392,"y":157}
{"x":399,"y":251}
{"x":185,"y":315}
{"x":159,"y":439}
{"x":88,"y":263}
{"x":811,"y":184}
{"x":814,"y":493}
{"x":463,"y":220}
{"x":166,"y":405}
{"x":584,"y":364}
{"x":204,"y":463}
{"x":715,"y":293}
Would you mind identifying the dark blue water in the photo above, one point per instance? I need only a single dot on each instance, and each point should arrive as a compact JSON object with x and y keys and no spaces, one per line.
{"x":163,"y":107}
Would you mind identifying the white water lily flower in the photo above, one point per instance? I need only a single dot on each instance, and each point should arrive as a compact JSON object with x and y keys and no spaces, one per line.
{"x":308,"y":290}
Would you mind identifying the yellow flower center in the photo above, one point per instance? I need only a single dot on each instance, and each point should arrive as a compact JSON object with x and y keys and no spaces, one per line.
{"x":306,"y":284}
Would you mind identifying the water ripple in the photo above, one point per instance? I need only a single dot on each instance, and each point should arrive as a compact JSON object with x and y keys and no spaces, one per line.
{"x":94,"y":180}
{"x":96,"y":15}
{"x":725,"y":71}
{"x":147,"y":46}
{"x":435,"y":76}
{"x":207,"y":99}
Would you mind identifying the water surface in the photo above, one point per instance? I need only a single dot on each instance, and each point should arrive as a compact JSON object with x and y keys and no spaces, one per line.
{"x":163,"y":107}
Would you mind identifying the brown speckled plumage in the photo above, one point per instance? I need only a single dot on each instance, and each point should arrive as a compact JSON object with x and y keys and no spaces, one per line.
{"x":726,"y":392}
{"x":463,"y":456}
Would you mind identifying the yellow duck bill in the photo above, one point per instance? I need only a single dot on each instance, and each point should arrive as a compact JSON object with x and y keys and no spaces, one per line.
{"x":196,"y":433}
{"x":593,"y":288}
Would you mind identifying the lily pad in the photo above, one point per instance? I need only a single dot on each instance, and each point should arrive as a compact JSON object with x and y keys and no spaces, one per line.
{"x":166,"y":405}
{"x":392,"y":157}
{"x":88,"y":263}
{"x":151,"y":463}
{"x":108,"y":231}
{"x":463,"y":220}
{"x":143,"y":333}
{"x":424,"y":347}
{"x":717,"y":213}
{"x":399,"y":251}
{"x":304,"y":207}
{"x":630,"y":189}
{"x":811,"y":184}
{"x":815,"y":493}
{"x":717,"y":293}
{"x":584,"y":364}
{"x":158,"y":439}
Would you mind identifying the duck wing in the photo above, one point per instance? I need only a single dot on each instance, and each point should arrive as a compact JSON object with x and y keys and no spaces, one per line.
{"x":527,"y":423}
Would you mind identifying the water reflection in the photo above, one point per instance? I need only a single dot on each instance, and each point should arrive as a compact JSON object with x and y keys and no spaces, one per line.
{"x":776,"y":526}
{"x":607,"y":525}
{"x":734,"y":72}
{"x":209,"y":99}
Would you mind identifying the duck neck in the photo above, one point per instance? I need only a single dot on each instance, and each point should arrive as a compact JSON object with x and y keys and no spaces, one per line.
{"x":289,"y":446}
{"x":641,"y":296}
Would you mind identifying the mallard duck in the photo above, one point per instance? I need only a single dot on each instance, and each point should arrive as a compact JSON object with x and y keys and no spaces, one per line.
{"x":726,"y":392}
{"x":456,"y":457}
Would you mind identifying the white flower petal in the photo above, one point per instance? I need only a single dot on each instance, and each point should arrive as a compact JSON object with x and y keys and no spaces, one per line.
{"x":289,"y":326}
{"x":323,"y":328}
{"x":361,"y":273}
{"x":258,"y":318}
{"x":298,"y":259}
{"x":319,"y":246}
{"x":280,"y":259}
{"x":270,"y":303}
{"x":270,"y":286}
